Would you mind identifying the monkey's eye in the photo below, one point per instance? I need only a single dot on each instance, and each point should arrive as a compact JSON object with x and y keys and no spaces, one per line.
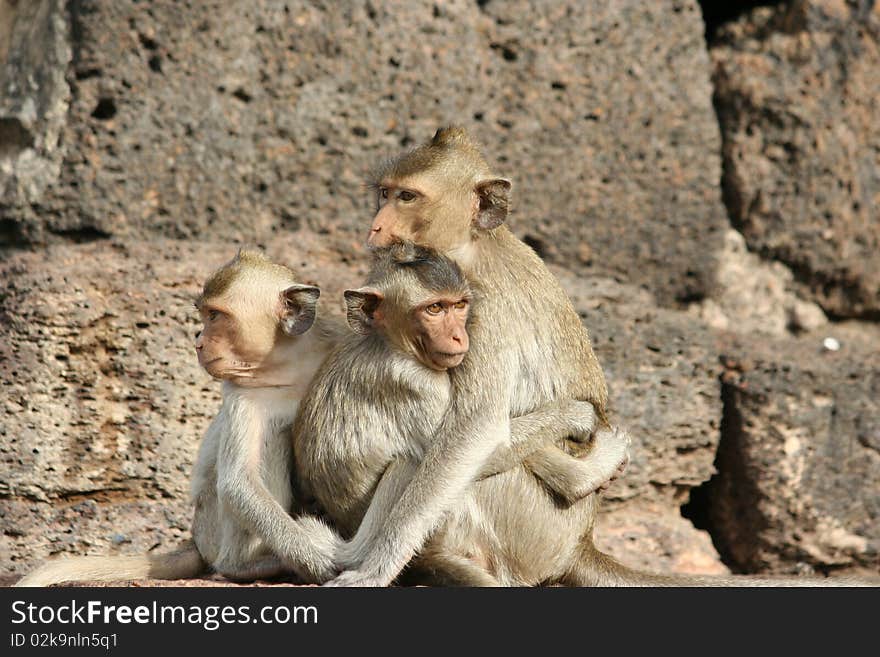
{"x":460,"y":305}
{"x":213,"y":315}
{"x":383,"y":192}
{"x":434,"y":309}
{"x":405,"y":195}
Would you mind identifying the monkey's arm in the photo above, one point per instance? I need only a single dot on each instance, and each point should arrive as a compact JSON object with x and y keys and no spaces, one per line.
{"x":541,"y":429}
{"x":529,"y":433}
{"x":305,"y":545}
{"x":574,"y":478}
{"x":467,"y":435}
{"x":533,"y":439}
{"x":393,"y":482}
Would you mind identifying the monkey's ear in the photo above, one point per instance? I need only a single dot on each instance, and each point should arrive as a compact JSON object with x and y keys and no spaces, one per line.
{"x":360,"y":308}
{"x":299,"y":306}
{"x":494,"y":203}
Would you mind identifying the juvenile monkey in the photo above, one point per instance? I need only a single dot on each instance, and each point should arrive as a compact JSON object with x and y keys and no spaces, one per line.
{"x":528,"y":348}
{"x":374,"y":405}
{"x":263,"y":339}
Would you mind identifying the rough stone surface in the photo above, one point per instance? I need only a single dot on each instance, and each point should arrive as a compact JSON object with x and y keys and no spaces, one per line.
{"x":663,"y":376}
{"x":34,"y":98}
{"x":796,"y":88}
{"x":755,"y":296}
{"x":240,"y":119}
{"x":799,"y":463}
{"x":107,"y":404}
{"x":164,"y":134}
{"x":654,"y":537}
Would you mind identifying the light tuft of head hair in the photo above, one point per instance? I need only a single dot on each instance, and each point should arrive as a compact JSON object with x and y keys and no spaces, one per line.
{"x":246,"y":260}
{"x":452,"y":152}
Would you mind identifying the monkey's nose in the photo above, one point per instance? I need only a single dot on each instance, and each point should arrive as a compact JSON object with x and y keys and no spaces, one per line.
{"x":373,"y":239}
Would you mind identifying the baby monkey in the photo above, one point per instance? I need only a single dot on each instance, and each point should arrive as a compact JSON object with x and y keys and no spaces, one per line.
{"x":261,"y":336}
{"x":375,"y":404}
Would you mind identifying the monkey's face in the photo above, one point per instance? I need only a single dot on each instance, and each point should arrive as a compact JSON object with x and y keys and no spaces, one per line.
{"x":418,"y":209}
{"x":251,"y":310}
{"x":212,"y":341}
{"x":233,"y":344}
{"x":418,"y":303}
{"x":217,"y":342}
{"x":440,"y":335}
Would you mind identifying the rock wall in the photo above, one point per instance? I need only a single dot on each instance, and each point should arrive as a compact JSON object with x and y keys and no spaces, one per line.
{"x":797,"y":94}
{"x":34,"y":100}
{"x":710,"y":249}
{"x":243,"y":119}
{"x":799,"y":460}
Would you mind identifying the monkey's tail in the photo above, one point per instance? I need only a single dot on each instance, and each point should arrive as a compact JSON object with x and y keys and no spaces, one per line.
{"x":599,"y":569}
{"x":184,"y":563}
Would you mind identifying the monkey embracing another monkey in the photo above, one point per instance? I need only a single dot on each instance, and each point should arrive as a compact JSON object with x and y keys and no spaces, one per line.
{"x":263,"y":338}
{"x":364,"y":424}
{"x":529,"y":348}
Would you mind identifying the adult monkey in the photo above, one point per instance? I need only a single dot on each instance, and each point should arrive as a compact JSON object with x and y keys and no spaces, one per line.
{"x":528,"y":349}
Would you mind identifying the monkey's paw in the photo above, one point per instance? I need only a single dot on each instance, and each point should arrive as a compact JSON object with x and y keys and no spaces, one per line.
{"x":357,"y":578}
{"x":620,"y":448}
{"x":310,"y":549}
{"x":581,"y":418}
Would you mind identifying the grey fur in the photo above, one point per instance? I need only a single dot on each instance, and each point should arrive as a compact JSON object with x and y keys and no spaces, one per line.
{"x":364,"y":427}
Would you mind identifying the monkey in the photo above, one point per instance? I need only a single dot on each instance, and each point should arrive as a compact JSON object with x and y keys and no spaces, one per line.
{"x":262,"y":336}
{"x":380,"y":395}
{"x":528,"y":348}
{"x":263,"y":339}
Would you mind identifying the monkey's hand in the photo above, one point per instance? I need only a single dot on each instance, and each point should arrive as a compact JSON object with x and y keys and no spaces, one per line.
{"x":349,"y":564}
{"x":572,"y":478}
{"x":579,"y":418}
{"x":613,"y":448}
{"x":311,"y":550}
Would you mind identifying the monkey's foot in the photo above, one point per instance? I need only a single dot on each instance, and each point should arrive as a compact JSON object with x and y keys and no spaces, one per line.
{"x":620,"y":447}
{"x":311,"y":550}
{"x":358,"y":579}
{"x":581,"y":417}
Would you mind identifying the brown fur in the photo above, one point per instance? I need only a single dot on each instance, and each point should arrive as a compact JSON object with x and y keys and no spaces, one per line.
{"x":529,"y":349}
{"x":367,"y":420}
{"x":260,"y":344}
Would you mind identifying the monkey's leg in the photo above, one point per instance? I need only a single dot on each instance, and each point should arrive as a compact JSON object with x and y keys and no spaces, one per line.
{"x":266,"y":567}
{"x":435,"y":567}
{"x":305,"y":545}
{"x":241,"y":555}
{"x":539,"y":430}
{"x":224,"y":544}
{"x":206,"y":525}
{"x":575,"y":478}
{"x":393,"y":482}
{"x":532,"y":438}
